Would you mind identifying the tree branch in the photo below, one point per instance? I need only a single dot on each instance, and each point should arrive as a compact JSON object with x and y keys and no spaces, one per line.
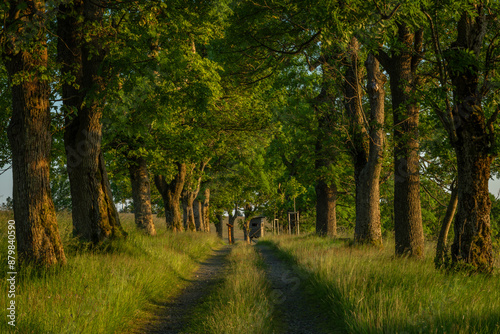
{"x":297,"y":51}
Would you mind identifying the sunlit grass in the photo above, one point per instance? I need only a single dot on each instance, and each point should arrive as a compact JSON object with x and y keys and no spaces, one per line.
{"x":102,"y":291}
{"x":242,"y":303}
{"x":366,"y":290}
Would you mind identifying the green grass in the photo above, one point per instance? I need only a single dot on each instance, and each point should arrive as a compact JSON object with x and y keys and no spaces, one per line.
{"x":103,"y":291}
{"x":241,"y":303}
{"x":365,"y":290}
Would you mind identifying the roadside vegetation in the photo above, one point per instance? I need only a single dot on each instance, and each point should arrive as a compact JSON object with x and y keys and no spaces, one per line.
{"x":242,"y":302}
{"x":103,"y":290}
{"x":368,"y":290}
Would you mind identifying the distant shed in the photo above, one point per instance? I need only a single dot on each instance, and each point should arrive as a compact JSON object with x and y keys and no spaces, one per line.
{"x":257,"y":226}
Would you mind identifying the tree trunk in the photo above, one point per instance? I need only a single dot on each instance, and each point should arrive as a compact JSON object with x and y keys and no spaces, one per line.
{"x":409,"y":235}
{"x":171,"y":195}
{"x":367,"y":141}
{"x":206,"y":210}
{"x":184,"y":212}
{"x":141,"y":194}
{"x":189,"y":213}
{"x":198,"y":216}
{"x":219,"y":225}
{"x":441,"y":247}
{"x":37,"y":233}
{"x":473,"y":139}
{"x":232,"y":222}
{"x":326,"y":189}
{"x":95,"y":217}
{"x":472,"y":242}
{"x":326,"y":202}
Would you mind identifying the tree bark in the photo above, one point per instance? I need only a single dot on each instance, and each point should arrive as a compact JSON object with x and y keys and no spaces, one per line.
{"x":326,"y":189}
{"x":184,"y":212}
{"x":473,"y":139}
{"x":189,"y":219}
{"x":171,"y":195}
{"x":441,"y":247}
{"x":402,"y":66}
{"x":367,"y":141}
{"x":219,"y":225}
{"x":191,"y":190}
{"x":141,"y":194}
{"x":326,"y":202}
{"x":95,"y":217}
{"x":37,"y":233}
{"x":206,"y":210}
{"x":198,"y":216}
{"x":232,"y":221}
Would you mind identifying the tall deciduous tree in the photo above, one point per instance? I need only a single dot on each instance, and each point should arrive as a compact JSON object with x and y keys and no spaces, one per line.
{"x":366,"y":142}
{"x":469,"y":64}
{"x":402,"y":66}
{"x":24,"y":52}
{"x":82,"y":55}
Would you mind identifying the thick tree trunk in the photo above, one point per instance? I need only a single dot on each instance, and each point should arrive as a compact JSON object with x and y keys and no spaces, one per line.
{"x":366,"y":144}
{"x":472,"y":242}
{"x":37,"y":233}
{"x":198,"y":216}
{"x":472,"y":137}
{"x":206,"y":210}
{"x":441,"y":247}
{"x":326,"y":189}
{"x":409,"y":235}
{"x":367,"y":148}
{"x":184,"y":212}
{"x":171,"y":194}
{"x":95,"y":217}
{"x":189,"y":219}
{"x":141,"y":194}
{"x":326,"y":202}
{"x":219,"y":225}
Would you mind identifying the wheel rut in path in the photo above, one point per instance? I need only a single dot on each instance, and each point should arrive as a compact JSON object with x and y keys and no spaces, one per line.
{"x":176,"y":313}
{"x":288,"y":294}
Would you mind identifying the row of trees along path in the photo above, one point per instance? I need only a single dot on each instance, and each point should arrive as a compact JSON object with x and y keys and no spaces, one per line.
{"x":272,"y":102}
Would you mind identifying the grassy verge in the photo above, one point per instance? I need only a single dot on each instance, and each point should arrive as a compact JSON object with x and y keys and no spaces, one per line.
{"x":100,"y":292}
{"x":364,"y":290}
{"x":241,"y":303}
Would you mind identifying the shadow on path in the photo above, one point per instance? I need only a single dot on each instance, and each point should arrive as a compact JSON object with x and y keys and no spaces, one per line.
{"x":302,"y":312}
{"x":175,"y":314}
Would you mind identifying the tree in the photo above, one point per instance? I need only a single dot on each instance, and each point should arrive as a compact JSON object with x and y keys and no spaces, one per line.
{"x":366,"y":143}
{"x":468,"y":62}
{"x":25,"y":55}
{"x":402,"y":66}
{"x":81,"y":51}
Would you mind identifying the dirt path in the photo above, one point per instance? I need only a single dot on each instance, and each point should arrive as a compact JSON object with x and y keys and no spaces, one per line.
{"x":288,"y":294}
{"x":174,"y":315}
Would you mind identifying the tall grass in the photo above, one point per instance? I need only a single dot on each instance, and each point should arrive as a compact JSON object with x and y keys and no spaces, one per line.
{"x":241,"y":303}
{"x":365,"y":290}
{"x":102,"y":291}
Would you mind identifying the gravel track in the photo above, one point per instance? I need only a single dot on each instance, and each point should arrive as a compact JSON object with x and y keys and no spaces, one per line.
{"x":175,"y":314}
